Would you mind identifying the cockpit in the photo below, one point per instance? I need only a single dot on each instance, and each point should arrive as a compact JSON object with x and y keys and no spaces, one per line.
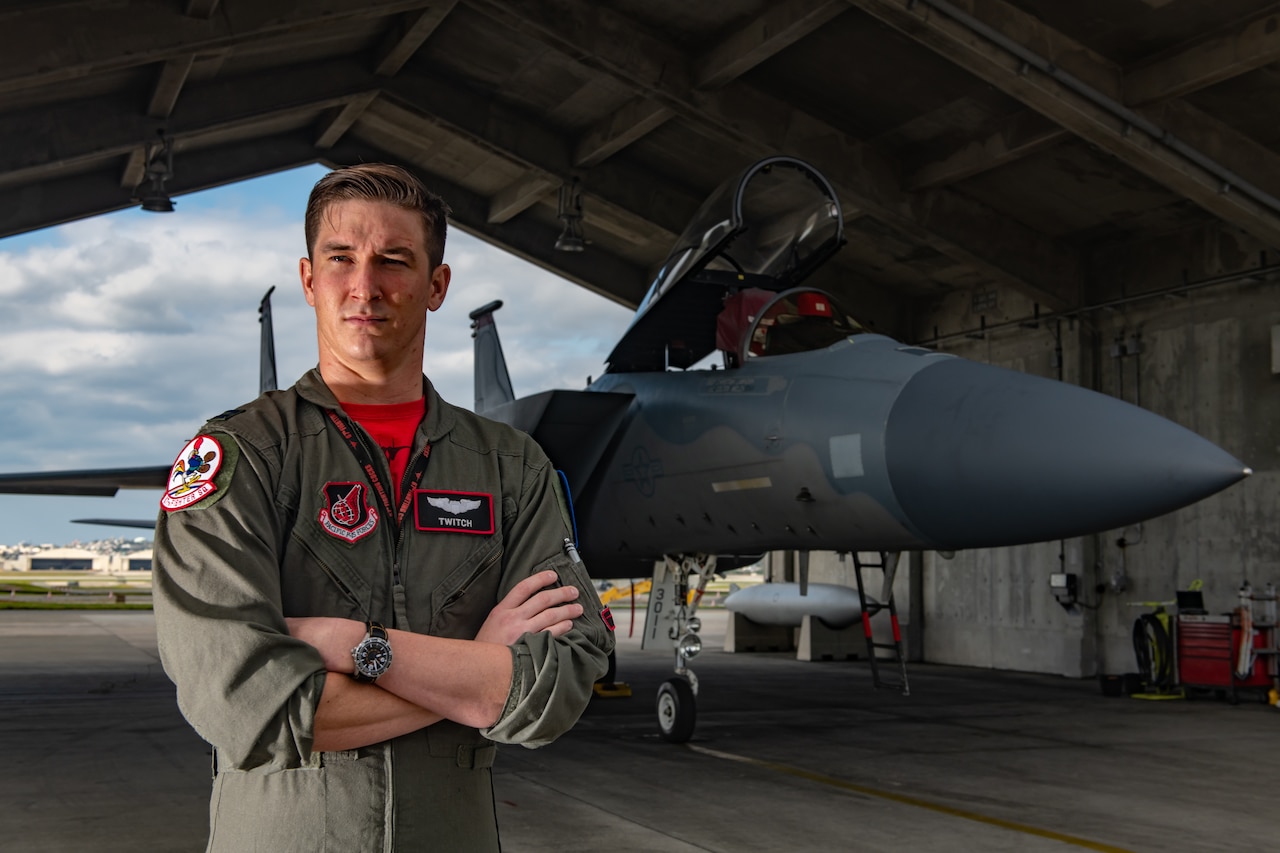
{"x":757,"y":322}
{"x":733,"y":280}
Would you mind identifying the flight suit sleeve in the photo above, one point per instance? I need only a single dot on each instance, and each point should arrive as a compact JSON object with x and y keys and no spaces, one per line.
{"x":244,"y":684}
{"x":552,"y":678}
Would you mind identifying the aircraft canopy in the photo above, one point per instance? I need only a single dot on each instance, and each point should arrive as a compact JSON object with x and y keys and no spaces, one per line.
{"x":767,"y":228}
{"x":778,"y":218}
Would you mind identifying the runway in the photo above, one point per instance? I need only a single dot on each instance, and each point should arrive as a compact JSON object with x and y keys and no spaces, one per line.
{"x":787,"y":756}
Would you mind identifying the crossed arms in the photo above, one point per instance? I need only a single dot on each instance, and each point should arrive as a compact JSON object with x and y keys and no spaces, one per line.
{"x":431,"y":678}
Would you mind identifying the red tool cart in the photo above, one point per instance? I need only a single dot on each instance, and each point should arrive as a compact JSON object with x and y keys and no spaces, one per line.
{"x":1208,"y":648}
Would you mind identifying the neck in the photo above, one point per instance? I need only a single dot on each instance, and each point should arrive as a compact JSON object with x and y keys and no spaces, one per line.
{"x":350,"y":386}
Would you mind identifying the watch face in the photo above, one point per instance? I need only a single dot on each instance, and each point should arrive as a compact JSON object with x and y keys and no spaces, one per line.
{"x":373,"y":657}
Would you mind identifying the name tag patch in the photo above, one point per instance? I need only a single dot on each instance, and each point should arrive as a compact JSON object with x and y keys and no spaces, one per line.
{"x":453,"y":512}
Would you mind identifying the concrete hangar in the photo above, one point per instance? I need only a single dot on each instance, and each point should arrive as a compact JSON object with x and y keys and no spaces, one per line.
{"x":1087,"y":191}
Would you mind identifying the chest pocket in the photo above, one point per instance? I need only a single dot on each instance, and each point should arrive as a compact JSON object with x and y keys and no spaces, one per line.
{"x":462,"y":600}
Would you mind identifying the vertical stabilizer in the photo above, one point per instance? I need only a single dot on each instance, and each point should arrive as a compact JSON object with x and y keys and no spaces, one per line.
{"x":493,"y":383}
{"x":267,"y":349}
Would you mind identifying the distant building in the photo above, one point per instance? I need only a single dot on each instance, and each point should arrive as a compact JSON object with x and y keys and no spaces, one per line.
{"x":62,"y":560}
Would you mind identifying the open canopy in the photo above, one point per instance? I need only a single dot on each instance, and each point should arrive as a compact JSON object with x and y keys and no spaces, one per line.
{"x":767,"y":228}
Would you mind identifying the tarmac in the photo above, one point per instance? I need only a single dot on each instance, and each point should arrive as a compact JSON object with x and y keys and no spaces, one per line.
{"x":787,"y":756}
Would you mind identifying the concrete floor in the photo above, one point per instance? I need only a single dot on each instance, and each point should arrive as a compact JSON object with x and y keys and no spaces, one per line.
{"x":787,"y":756}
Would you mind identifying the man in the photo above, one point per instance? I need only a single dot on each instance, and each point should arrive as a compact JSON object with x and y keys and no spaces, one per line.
{"x":351,"y":627}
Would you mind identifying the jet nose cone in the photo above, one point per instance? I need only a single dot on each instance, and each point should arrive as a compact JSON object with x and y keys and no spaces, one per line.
{"x":979,"y":456}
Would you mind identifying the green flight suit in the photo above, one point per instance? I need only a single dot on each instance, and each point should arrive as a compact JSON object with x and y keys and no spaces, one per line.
{"x":264,"y":545}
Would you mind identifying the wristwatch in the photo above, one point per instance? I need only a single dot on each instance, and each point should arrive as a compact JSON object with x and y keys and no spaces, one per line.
{"x":373,"y":655}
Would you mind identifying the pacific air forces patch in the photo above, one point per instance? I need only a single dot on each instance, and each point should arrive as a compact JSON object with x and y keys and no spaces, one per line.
{"x":453,"y":512}
{"x":191,"y":477}
{"x":346,"y":513}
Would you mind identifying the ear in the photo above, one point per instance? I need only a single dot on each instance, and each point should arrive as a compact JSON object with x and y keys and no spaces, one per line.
{"x":440,"y":278}
{"x":304,"y":273}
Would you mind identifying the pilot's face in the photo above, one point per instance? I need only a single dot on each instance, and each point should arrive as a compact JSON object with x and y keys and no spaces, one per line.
{"x":372,"y":284}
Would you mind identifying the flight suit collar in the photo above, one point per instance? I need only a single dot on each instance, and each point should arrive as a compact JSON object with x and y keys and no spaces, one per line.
{"x":438,"y":422}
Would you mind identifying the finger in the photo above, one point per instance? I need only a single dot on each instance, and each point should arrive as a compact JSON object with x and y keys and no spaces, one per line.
{"x":523,"y":591}
{"x":554,"y":616}
{"x":561,"y":628}
{"x":545,"y":599}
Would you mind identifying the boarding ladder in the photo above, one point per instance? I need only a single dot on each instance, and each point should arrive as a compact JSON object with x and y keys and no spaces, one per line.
{"x":887,"y":563}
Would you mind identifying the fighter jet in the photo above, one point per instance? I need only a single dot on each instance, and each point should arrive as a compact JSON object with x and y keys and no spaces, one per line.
{"x":815,"y":433}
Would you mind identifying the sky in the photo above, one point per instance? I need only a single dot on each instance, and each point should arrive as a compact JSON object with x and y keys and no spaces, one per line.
{"x":124,"y":332}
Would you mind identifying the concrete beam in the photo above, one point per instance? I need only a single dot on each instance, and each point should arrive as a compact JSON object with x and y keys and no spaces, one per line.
{"x":519,"y":196}
{"x":339,"y":121}
{"x":594,"y":269}
{"x":173,"y":76}
{"x":135,"y":168}
{"x":629,"y":124}
{"x":485,"y":121}
{"x":780,"y":26}
{"x":609,"y":195}
{"x":405,"y":41}
{"x":755,"y":124}
{"x":39,"y":53}
{"x":84,"y":132}
{"x":1059,"y":102}
{"x":1197,"y":66}
{"x":80,"y":196}
{"x":1012,"y":138}
{"x":1218,"y":141}
{"x":1250,"y":44}
{"x":202,"y":9}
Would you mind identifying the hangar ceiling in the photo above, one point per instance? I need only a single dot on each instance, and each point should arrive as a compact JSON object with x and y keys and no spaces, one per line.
{"x":1012,"y":144}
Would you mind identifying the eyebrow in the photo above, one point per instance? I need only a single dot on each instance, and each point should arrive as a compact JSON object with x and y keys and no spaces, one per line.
{"x":397,"y":251}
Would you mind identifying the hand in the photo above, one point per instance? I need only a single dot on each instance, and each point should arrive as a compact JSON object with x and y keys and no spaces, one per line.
{"x":333,"y":637}
{"x":530,"y":608}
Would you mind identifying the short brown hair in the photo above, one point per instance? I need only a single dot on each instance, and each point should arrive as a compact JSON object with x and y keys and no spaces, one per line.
{"x":379,"y":182}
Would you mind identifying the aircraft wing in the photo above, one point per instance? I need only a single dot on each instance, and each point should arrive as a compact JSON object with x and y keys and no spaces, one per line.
{"x":104,"y":482}
{"x":573,"y":427}
{"x":141,"y":523}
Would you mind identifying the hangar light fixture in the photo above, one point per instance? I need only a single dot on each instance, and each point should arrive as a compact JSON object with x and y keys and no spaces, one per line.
{"x":569,"y":211}
{"x":155,"y":197}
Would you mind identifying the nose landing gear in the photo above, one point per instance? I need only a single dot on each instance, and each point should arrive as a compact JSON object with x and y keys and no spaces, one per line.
{"x":671,"y":617}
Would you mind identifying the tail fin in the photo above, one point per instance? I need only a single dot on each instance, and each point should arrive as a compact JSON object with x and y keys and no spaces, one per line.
{"x":267,"y":349}
{"x":493,"y":383}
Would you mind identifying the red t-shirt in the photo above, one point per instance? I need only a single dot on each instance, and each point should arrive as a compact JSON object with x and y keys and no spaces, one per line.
{"x":392,"y":426}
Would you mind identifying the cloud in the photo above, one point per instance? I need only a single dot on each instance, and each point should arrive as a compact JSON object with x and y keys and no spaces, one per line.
{"x":123,"y":333}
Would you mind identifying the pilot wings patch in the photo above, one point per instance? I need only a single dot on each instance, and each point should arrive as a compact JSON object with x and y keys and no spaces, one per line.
{"x":453,"y":512}
{"x":454,"y":506}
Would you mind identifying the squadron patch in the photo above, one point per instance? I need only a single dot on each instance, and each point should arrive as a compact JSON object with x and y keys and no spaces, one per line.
{"x":191,"y":478}
{"x":453,"y":512}
{"x":607,"y":616}
{"x":347,"y":514}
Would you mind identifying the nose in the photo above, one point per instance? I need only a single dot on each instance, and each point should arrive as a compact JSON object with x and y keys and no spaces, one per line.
{"x":981,"y":456}
{"x":364,"y":282}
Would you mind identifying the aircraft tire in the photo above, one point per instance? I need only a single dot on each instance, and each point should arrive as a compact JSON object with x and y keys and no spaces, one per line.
{"x":677,"y":710}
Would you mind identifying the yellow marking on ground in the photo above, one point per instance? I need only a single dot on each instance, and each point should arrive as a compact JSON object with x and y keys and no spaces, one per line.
{"x":906,"y":799}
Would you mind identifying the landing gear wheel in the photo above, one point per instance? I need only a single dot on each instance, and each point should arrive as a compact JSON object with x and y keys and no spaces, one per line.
{"x":677,"y":710}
